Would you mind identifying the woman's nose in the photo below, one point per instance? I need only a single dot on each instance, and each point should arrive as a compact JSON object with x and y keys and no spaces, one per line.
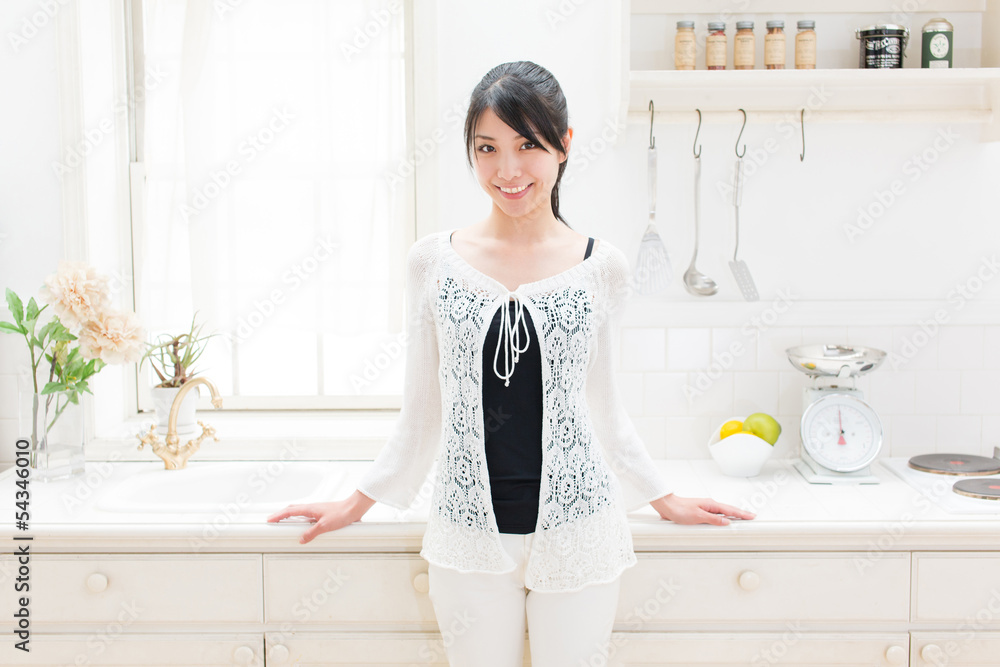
{"x":509,"y":167}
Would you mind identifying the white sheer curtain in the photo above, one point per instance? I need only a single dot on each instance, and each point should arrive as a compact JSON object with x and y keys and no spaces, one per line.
{"x":271,"y":208}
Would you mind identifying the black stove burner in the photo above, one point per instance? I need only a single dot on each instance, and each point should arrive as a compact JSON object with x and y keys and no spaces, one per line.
{"x":955,"y":464}
{"x":980,"y":487}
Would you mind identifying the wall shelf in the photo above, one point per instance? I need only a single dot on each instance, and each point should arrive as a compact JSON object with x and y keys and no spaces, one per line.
{"x":838,"y":95}
{"x":911,"y":94}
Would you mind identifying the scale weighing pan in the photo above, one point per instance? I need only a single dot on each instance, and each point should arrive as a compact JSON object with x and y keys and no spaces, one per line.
{"x":840,"y":361}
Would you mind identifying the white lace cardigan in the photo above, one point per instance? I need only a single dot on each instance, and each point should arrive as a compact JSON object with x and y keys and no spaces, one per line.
{"x":594,"y":465}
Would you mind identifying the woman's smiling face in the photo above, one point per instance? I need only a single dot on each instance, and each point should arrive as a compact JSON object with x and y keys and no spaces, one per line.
{"x":517,"y":174}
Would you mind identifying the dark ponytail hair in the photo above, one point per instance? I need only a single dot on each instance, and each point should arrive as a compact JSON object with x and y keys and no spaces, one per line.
{"x":528,"y":98}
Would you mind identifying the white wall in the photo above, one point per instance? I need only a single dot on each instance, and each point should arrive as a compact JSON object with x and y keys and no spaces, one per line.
{"x":30,"y":205}
{"x":878,"y":286}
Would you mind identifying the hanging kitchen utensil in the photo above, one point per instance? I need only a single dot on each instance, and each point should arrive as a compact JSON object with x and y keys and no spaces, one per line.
{"x":653,"y":271}
{"x":741,"y":272}
{"x":695,"y":282}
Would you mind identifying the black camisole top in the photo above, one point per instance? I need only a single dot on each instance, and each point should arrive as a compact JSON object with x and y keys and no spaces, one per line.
{"x":512,"y":426}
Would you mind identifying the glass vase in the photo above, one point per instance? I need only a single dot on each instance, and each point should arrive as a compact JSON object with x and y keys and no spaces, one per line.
{"x":54,"y":427}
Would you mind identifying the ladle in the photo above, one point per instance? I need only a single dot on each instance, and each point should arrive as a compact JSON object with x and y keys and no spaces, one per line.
{"x":695,"y":282}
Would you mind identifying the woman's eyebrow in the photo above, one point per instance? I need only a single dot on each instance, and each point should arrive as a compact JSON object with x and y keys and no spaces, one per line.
{"x":483,"y":136}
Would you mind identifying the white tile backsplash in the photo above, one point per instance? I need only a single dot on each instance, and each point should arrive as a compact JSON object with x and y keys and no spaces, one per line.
{"x":735,"y":348}
{"x":689,"y":348}
{"x":937,"y":392}
{"x":980,"y":393}
{"x":664,"y":395}
{"x":991,"y":348}
{"x":958,"y":434}
{"x":771,"y":346}
{"x":960,"y":348}
{"x":643,"y":349}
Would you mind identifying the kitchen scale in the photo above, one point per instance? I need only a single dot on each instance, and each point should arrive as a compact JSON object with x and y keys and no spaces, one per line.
{"x":841,"y":433}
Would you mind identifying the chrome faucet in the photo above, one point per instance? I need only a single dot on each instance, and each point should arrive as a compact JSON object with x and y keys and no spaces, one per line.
{"x":175,"y":457}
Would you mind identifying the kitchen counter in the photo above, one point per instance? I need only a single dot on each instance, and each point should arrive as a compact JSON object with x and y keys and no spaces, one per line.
{"x":67,"y":516}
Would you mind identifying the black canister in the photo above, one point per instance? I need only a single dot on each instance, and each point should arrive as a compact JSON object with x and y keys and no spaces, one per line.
{"x":882,"y":46}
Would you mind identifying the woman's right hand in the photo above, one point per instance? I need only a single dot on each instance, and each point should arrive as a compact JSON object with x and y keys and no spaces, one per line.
{"x":328,"y":516}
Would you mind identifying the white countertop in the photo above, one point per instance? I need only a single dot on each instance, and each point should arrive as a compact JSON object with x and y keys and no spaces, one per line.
{"x":67,"y":516}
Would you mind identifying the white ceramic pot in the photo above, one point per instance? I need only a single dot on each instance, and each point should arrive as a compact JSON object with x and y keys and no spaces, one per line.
{"x":163,"y":399}
{"x":741,"y":454}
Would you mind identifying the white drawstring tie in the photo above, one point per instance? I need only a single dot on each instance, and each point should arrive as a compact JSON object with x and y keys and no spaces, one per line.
{"x":510,"y":335}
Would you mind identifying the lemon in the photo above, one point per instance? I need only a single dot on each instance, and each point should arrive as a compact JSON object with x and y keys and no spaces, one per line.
{"x":730,"y":427}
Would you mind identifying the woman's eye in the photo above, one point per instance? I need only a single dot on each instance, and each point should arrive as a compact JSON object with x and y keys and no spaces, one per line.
{"x":528,"y":143}
{"x":484,"y":146}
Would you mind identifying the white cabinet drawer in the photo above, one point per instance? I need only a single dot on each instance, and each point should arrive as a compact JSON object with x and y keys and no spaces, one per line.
{"x":357,"y":591}
{"x":138,"y":650}
{"x":667,"y":591}
{"x":957,"y":587}
{"x":135,"y":591}
{"x":967,"y":648}
{"x":328,"y":649}
{"x":712,"y":649}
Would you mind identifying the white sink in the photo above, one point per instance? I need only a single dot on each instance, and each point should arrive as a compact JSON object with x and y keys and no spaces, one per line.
{"x":252,"y":486}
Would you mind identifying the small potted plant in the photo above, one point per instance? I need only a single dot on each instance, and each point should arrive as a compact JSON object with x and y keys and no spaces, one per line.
{"x":172,"y":358}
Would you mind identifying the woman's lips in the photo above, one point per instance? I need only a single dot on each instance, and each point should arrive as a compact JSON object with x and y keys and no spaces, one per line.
{"x":518,"y":195}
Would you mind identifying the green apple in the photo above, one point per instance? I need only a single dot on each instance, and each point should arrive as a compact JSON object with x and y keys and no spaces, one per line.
{"x":763,"y":426}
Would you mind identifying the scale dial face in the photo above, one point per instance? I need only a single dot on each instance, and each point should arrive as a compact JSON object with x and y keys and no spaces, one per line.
{"x":841,"y":432}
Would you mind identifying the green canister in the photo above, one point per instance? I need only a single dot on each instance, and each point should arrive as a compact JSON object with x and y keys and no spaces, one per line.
{"x":938,"y":45}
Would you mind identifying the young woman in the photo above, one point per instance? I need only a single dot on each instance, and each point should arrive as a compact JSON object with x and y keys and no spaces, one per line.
{"x":509,"y":384}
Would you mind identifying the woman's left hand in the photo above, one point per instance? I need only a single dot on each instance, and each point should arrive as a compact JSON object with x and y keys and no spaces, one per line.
{"x":697,"y":510}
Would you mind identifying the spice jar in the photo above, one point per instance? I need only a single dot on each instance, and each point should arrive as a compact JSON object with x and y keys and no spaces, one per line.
{"x":715,"y":45}
{"x":937,"y":44}
{"x":684,"y":46}
{"x":743,"y":46}
{"x":774,"y":45}
{"x":805,"y":45}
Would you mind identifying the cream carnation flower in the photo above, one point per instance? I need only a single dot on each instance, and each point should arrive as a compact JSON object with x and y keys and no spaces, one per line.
{"x":113,"y":336}
{"x":76,"y":292}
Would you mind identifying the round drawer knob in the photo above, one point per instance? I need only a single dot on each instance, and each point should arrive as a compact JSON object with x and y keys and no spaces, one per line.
{"x":243,"y":655}
{"x":97,"y":582}
{"x":895,"y":655}
{"x":421,"y":583}
{"x":931,"y":653}
{"x":279,"y":653}
{"x":749,"y":580}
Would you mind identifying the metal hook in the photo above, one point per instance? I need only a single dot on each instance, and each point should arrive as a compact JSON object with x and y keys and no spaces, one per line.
{"x":695,"y":147}
{"x":802,"y":155}
{"x":738,"y":154}
{"x":652,"y":140}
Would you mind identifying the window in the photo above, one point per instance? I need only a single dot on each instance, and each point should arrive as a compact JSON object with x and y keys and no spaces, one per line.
{"x":276,"y":200}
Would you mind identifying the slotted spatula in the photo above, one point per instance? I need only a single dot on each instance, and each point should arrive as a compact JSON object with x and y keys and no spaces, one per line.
{"x":653,"y":270}
{"x":741,"y":272}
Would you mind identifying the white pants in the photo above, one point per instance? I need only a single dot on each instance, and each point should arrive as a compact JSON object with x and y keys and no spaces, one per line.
{"x":482,"y":617}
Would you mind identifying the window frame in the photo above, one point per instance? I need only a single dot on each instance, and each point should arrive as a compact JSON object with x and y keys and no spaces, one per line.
{"x":418,"y":78}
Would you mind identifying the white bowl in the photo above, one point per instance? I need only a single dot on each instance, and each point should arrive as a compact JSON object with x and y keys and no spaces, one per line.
{"x":741,"y":454}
